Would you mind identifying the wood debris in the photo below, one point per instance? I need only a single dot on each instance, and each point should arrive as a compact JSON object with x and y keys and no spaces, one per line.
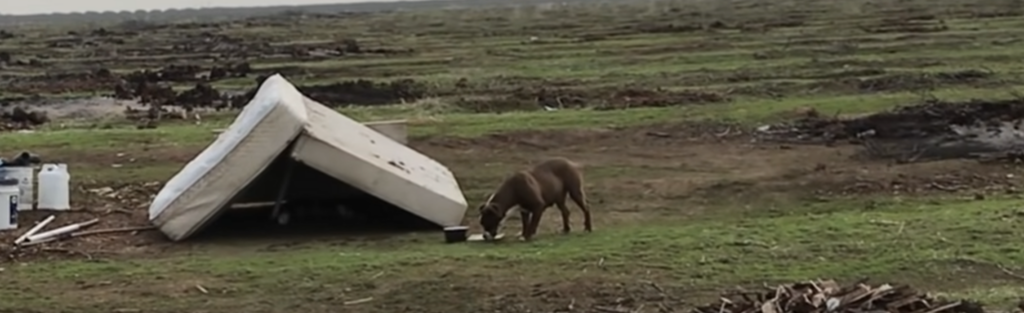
{"x":359,"y":301}
{"x":826,"y":296}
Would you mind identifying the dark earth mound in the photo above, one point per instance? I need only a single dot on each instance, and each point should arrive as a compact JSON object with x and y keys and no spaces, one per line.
{"x":19,"y":118}
{"x":365,"y":92}
{"x":932,"y":130}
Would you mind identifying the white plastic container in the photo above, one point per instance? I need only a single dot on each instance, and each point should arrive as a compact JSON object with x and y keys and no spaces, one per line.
{"x":54,"y":188}
{"x":9,"y":194}
{"x":24,"y":176}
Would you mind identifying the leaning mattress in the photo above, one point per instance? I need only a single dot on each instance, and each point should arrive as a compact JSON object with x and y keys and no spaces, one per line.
{"x":326,"y":141}
{"x":189,"y":200}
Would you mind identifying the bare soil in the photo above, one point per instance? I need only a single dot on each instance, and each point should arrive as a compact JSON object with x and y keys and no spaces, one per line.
{"x":634,"y":175}
{"x":698,"y":163}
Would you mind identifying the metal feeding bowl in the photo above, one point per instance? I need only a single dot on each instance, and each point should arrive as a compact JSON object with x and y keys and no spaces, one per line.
{"x":455,"y":234}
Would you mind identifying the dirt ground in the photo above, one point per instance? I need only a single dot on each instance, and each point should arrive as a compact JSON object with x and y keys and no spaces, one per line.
{"x":635,"y":175}
{"x":699,"y":163}
{"x":496,"y":61}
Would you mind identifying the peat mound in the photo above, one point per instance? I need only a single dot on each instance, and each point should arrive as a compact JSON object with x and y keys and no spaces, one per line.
{"x":19,"y":118}
{"x":932,"y":130}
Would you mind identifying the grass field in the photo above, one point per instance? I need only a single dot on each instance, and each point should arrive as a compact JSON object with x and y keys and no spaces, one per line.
{"x":697,"y":210}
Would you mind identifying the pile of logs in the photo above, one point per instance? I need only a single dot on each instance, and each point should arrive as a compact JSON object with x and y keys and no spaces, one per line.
{"x":826,"y":296}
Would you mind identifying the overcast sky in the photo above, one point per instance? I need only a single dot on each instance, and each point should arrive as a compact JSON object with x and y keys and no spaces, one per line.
{"x":64,"y":6}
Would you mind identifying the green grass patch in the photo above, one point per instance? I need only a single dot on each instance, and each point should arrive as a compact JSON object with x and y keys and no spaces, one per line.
{"x":925,"y":242}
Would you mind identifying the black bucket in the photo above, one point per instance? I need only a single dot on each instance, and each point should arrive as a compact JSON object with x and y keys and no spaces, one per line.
{"x":455,"y":234}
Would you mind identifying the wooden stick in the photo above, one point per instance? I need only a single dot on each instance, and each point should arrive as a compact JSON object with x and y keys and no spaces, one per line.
{"x":1008,"y":272}
{"x":112,"y":230}
{"x":363,"y":300}
{"x":282,"y":191}
{"x":87,"y":233}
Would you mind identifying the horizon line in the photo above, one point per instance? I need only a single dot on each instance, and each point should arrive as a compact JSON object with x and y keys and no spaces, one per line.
{"x":158,"y":10}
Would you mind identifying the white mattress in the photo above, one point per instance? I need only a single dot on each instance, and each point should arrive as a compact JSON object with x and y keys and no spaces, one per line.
{"x":326,"y":141}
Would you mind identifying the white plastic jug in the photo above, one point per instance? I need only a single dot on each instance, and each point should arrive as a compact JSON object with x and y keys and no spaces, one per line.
{"x":54,"y":188}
